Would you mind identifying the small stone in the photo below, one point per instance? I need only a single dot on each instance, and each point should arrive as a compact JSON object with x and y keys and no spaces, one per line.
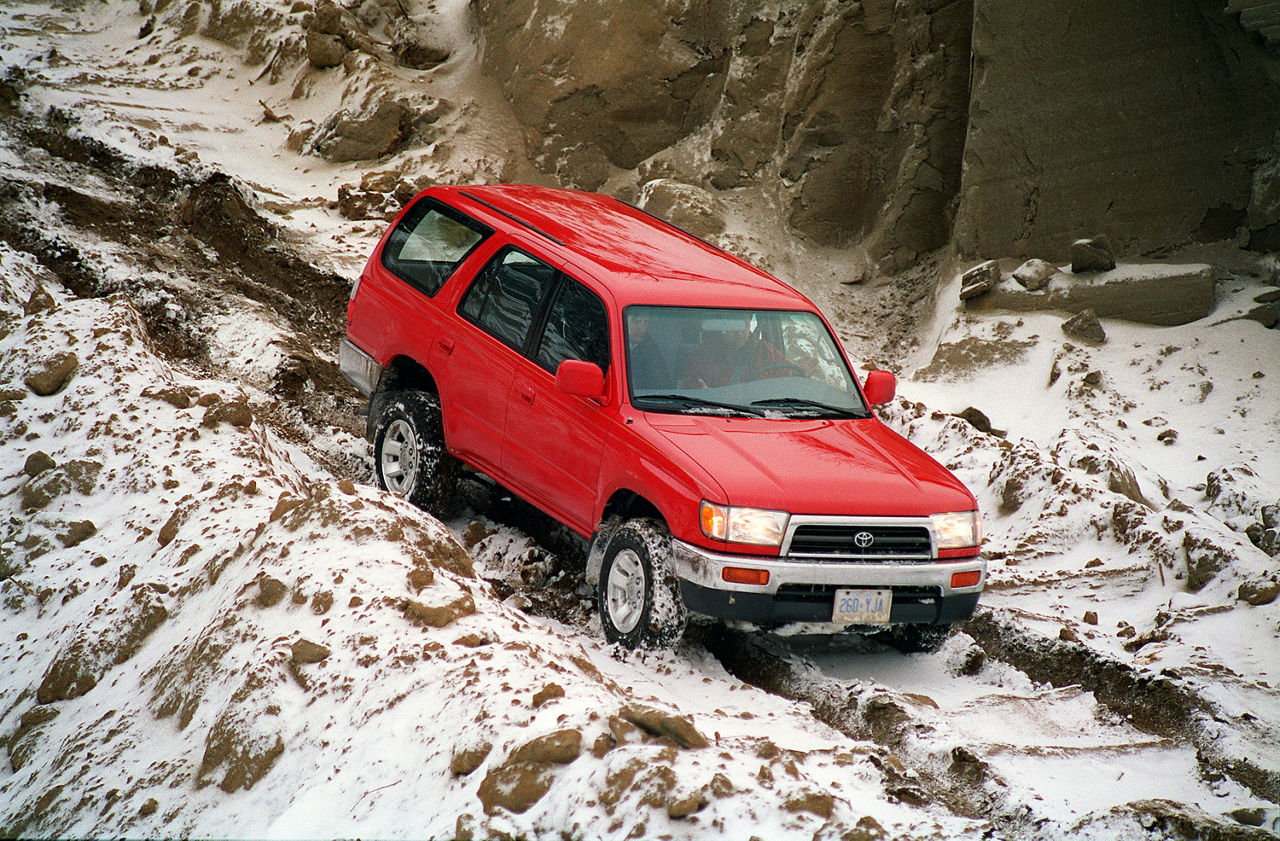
{"x":1267,"y":315}
{"x":602,"y":745}
{"x":1093,"y":378}
{"x":305,"y":651}
{"x":322,"y":602}
{"x":235,"y":412}
{"x":1168,"y":436}
{"x":77,"y":533}
{"x":1092,"y":255}
{"x":1085,"y":327}
{"x":976,"y":419}
{"x":420,"y":577}
{"x":1034,"y":274}
{"x":179,"y":398}
{"x":658,"y":723}
{"x":40,"y":301}
{"x":347,"y":487}
{"x":549,"y":692}
{"x":466,"y":760}
{"x":683,"y":807}
{"x":271,"y":591}
{"x":558,"y":748}
{"x":149,"y":808}
{"x":979,"y":280}
{"x":1091,"y":617}
{"x":439,"y":617}
{"x":37,"y":463}
{"x":52,"y":375}
{"x":324,"y":50}
{"x":1258,"y":593}
{"x":514,"y":787}
{"x":1068,"y":635}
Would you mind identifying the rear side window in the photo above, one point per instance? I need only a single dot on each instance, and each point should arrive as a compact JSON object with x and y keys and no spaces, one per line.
{"x":505,"y":295}
{"x":577,"y":328}
{"x":430,"y":242}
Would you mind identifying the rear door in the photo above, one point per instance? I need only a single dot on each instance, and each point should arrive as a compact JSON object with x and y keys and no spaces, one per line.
{"x":482,"y":351}
{"x":554,"y":440}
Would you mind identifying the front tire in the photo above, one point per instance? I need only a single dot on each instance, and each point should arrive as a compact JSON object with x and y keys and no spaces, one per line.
{"x":409,"y":455}
{"x":639,"y":593}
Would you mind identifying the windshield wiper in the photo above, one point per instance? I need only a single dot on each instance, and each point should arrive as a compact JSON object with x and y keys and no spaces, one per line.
{"x":800,"y":402}
{"x":690,"y":401}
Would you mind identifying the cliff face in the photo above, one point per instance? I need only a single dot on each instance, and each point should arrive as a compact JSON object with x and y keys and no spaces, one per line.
{"x":851,"y":115}
{"x":1146,"y":124}
{"x":999,"y":127}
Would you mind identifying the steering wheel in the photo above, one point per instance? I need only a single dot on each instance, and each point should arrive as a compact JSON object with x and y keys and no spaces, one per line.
{"x":791,"y":369}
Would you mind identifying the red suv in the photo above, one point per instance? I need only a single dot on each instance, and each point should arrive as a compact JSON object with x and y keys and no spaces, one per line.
{"x":692,"y":416}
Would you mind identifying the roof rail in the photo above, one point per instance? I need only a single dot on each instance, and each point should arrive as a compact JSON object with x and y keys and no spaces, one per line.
{"x":512,"y":217}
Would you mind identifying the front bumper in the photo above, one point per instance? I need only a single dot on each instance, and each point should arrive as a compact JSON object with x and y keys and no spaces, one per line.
{"x":804,"y":590}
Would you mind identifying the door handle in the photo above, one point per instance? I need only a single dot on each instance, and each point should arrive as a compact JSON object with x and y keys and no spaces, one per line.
{"x":526,"y":394}
{"x":445,"y":344}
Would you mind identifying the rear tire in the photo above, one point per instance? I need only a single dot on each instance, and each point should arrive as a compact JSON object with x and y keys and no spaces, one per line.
{"x":409,"y":455}
{"x":639,"y":593}
{"x":915,"y":638}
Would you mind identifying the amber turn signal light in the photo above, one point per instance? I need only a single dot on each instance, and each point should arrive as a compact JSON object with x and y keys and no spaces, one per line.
{"x":966,"y":579}
{"x":739,"y":575}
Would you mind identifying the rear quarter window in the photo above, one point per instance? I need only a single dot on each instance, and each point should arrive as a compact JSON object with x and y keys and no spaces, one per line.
{"x":429,"y":244}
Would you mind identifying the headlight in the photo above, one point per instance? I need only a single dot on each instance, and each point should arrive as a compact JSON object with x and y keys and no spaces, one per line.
{"x":743,"y":525}
{"x":958,"y":530}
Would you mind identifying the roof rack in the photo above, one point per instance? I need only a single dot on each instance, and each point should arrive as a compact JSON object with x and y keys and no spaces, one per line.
{"x":512,"y":217}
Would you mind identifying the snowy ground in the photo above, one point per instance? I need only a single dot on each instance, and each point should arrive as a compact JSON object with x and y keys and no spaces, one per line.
{"x":220,"y":628}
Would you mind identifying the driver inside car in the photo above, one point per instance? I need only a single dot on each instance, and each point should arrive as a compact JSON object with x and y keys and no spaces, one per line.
{"x":731,"y":353}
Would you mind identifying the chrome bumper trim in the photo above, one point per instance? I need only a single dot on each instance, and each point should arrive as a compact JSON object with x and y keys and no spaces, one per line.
{"x":702,"y":567}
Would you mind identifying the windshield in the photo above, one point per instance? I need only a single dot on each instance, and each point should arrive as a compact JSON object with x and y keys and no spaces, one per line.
{"x":735,"y":362}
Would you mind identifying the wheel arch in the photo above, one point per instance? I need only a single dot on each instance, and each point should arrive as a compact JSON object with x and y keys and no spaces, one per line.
{"x":402,"y":373}
{"x":624,"y":504}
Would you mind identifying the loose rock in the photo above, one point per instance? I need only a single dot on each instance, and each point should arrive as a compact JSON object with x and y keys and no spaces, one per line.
{"x":1258,"y":593}
{"x":52,"y":375}
{"x":37,"y":463}
{"x":1034,"y":274}
{"x":1091,"y":255}
{"x":979,"y":280}
{"x":305,"y":651}
{"x":1085,"y":327}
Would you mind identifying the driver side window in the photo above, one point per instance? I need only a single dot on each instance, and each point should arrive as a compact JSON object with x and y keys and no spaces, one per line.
{"x":577,"y":328}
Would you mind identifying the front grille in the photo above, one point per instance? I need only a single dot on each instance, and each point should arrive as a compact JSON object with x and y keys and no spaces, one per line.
{"x":861,"y":542}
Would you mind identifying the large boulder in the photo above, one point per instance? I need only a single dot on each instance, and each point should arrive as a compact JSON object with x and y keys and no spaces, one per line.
{"x":638,"y":77}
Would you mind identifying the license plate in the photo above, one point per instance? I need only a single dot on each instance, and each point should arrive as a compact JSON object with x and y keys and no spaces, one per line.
{"x":862,"y":607}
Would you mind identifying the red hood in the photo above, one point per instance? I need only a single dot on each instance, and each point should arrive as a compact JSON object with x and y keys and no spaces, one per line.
{"x":830,"y":467}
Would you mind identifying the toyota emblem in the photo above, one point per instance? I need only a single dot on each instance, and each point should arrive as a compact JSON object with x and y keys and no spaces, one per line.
{"x":863,"y":539}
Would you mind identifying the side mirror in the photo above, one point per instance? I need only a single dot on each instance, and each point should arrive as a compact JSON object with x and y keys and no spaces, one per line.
{"x":581,"y":379}
{"x":879,"y":387}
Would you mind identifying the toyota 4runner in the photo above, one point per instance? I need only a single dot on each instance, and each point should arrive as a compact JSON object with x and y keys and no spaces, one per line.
{"x":692,"y":416}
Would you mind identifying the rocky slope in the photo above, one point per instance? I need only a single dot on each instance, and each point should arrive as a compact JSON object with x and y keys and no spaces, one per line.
{"x":220,"y":628}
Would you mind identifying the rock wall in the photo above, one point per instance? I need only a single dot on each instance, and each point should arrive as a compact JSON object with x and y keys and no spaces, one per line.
{"x":1145,"y":123}
{"x":852,"y":114}
{"x":1002,"y":128}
